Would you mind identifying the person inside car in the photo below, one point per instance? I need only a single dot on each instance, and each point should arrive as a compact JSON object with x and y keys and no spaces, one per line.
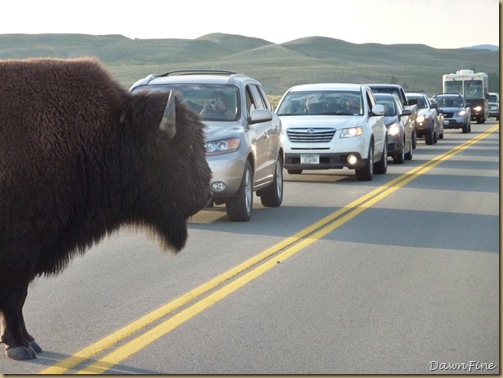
{"x":216,"y":107}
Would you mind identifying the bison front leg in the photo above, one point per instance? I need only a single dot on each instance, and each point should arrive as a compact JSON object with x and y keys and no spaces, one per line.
{"x":19,"y":345}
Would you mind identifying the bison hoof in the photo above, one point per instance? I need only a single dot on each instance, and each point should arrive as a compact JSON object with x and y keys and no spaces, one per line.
{"x":21,"y":353}
{"x":35,"y":347}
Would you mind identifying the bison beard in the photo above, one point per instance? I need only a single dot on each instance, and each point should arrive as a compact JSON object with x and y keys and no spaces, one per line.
{"x":79,"y":158}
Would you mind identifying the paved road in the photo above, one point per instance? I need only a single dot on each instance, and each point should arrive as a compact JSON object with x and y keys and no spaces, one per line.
{"x":397,"y":275}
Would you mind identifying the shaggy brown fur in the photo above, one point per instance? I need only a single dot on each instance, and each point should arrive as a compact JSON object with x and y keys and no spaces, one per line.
{"x":79,"y":157}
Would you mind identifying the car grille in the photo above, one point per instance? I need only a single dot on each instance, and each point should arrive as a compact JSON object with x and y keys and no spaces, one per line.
{"x":311,"y":135}
{"x":448,"y":115}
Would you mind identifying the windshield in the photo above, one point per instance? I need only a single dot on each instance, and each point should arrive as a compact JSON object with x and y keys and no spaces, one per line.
{"x":453,"y":87}
{"x":321,"y":103}
{"x":449,"y":102}
{"x":212,"y":102}
{"x":421,"y":102}
{"x":472,"y":88}
{"x":493,"y":98}
{"x":389,"y":106}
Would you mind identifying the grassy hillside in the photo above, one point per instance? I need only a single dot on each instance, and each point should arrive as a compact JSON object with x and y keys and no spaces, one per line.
{"x":277,"y":66}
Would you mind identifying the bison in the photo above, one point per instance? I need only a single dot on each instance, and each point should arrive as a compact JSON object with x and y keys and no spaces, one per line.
{"x":79,"y":158}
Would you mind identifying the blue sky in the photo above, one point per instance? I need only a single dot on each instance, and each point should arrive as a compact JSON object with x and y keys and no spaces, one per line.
{"x":436,"y":23}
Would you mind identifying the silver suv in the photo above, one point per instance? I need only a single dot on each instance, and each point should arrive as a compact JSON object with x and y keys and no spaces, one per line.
{"x":243,"y":135}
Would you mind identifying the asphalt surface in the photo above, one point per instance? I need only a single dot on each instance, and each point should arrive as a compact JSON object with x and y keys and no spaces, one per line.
{"x":395,"y":276}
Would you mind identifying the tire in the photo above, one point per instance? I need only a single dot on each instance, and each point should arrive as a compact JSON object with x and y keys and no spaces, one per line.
{"x":429,"y":139}
{"x":408,"y":155}
{"x":381,"y":166}
{"x":294,"y":171}
{"x":272,"y":196}
{"x":400,"y":157}
{"x":367,"y":173}
{"x":414,"y":140}
{"x":465,"y":128}
{"x":239,"y":207}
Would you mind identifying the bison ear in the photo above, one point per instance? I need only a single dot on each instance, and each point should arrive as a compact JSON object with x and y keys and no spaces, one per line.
{"x":168,"y":121}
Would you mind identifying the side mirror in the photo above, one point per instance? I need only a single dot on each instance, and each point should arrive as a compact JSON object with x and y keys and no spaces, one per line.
{"x":406,"y":112}
{"x":411,"y":102}
{"x":468,"y":105}
{"x":378,"y":110}
{"x":260,"y":115}
{"x":434,"y":106}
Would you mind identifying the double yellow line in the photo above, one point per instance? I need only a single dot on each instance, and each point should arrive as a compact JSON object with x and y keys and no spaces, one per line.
{"x":234,"y":278}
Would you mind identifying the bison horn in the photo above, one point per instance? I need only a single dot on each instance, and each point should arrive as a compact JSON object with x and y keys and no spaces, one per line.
{"x":168,"y":121}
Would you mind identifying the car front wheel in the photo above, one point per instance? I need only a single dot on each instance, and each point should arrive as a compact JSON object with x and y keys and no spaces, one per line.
{"x":239,"y":207}
{"x":382,"y":165}
{"x":367,"y":173}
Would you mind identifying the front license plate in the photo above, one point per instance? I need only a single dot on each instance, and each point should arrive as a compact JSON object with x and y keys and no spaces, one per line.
{"x":309,"y":159}
{"x":446,"y":122}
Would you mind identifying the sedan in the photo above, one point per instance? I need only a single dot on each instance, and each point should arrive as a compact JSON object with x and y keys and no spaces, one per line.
{"x":427,"y":124}
{"x":333,"y":126}
{"x":401,"y":129}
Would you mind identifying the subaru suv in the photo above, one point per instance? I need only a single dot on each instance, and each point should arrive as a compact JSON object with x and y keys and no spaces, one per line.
{"x":334,"y":126}
{"x":242,"y":135}
{"x":457,"y":113}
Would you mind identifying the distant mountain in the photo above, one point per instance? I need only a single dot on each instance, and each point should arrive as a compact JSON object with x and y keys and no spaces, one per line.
{"x":277,"y":66}
{"x":484,"y":47}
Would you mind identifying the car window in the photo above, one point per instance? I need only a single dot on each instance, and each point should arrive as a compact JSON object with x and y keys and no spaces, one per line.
{"x":264,"y":97}
{"x":450,"y":101}
{"x":370,"y":100}
{"x":256,"y":100}
{"x":321,"y":103}
{"x":421,"y":103}
{"x":213,"y":102}
{"x":389,"y":106}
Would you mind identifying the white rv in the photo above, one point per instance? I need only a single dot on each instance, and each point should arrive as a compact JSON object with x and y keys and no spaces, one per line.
{"x":474,"y":87}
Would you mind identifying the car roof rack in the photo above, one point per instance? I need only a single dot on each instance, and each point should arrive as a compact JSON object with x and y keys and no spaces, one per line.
{"x":197,"y":72}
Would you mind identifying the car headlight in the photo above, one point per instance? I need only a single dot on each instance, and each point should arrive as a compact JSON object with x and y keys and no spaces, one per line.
{"x":222,"y":146}
{"x":478,"y":108}
{"x":420,"y":118}
{"x":462,"y":112}
{"x":393,"y":130}
{"x":351,"y":132}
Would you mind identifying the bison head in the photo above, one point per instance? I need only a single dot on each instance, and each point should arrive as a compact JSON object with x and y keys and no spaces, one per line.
{"x":168,"y":175}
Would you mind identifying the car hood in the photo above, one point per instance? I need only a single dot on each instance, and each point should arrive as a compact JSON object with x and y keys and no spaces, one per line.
{"x":451,"y":109}
{"x":217,"y":130}
{"x":312,"y":121}
{"x":389,"y":120}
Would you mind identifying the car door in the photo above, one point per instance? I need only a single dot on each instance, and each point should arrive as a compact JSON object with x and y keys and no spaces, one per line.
{"x":376,"y":123}
{"x":259,"y":135}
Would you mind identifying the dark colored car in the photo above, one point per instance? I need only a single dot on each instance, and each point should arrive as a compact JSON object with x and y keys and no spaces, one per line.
{"x":401,"y":130}
{"x":457,"y":113}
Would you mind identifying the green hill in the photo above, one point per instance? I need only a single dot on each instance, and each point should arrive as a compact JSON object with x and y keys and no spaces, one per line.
{"x":277,"y":66}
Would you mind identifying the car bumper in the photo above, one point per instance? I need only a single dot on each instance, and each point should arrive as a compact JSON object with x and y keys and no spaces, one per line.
{"x":330,"y":155}
{"x":227,"y":173}
{"x":326,"y":161}
{"x":395,"y":144}
{"x":423,"y":128}
{"x":455,"y":123}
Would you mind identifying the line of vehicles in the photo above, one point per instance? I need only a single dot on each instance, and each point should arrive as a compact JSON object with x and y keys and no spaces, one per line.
{"x":314,"y":127}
